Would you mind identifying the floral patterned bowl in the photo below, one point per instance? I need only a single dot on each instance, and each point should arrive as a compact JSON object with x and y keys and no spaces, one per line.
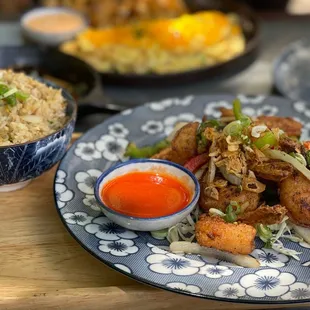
{"x":154,"y":223}
{"x":21,"y":163}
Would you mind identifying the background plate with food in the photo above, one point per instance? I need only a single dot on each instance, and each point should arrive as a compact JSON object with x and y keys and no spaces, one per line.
{"x":280,"y":273}
{"x":205,"y":41}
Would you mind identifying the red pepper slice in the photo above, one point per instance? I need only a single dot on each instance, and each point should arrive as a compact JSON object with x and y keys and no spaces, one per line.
{"x":307,"y":145}
{"x":196,"y":162}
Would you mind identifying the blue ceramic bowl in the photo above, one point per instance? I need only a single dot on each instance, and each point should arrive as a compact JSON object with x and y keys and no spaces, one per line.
{"x":20,"y":163}
{"x":154,"y":223}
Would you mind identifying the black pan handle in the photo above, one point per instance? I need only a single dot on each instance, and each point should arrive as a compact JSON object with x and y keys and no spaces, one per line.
{"x":98,"y":102}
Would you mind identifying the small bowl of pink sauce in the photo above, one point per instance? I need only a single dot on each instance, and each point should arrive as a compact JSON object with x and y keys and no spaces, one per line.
{"x":52,"y":26}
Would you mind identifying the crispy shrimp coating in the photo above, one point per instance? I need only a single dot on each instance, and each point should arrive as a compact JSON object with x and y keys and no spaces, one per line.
{"x":273,"y":170}
{"x":185,"y":142}
{"x":214,"y":232}
{"x":264,"y":215}
{"x":287,"y":124}
{"x":248,"y":200}
{"x":295,"y":196}
{"x":183,"y":146}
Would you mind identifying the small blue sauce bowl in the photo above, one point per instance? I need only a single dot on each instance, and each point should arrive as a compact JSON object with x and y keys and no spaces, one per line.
{"x":20,"y":163}
{"x":156,"y":166}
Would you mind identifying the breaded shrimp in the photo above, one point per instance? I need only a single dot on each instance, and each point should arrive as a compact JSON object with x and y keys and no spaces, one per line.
{"x":287,"y":124}
{"x":185,"y":142}
{"x":273,"y":170}
{"x":214,"y":232}
{"x":264,"y":215}
{"x":295,"y":196}
{"x":226,"y":195}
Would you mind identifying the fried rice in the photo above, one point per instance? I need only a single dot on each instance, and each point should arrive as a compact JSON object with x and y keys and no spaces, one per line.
{"x":37,"y":109}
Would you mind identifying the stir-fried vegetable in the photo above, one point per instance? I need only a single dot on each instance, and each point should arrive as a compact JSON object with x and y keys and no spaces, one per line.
{"x":244,"y":119}
{"x":232,"y":212}
{"x":233,"y":129}
{"x":160,"y":234}
{"x":145,"y":152}
{"x":265,"y":234}
{"x":300,"y":158}
{"x":308,"y":158}
{"x":201,"y":139}
{"x":196,"y":162}
{"x":269,"y":139}
{"x":276,"y":154}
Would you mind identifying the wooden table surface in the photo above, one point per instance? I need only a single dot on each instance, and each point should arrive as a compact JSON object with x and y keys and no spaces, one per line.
{"x":43,"y":267}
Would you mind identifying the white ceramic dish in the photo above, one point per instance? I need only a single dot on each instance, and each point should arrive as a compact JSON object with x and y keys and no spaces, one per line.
{"x":156,"y":223}
{"x":50,"y":38}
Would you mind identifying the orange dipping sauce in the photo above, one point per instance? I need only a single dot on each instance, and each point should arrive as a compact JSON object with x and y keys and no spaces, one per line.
{"x":145,"y":194}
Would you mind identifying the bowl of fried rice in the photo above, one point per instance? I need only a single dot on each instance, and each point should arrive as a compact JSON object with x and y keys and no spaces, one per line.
{"x":36,"y":124}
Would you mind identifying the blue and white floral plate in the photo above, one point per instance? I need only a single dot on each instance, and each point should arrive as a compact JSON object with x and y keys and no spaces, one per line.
{"x":281,"y":279}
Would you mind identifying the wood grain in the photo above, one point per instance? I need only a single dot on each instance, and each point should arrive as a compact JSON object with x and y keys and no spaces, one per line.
{"x":43,"y":267}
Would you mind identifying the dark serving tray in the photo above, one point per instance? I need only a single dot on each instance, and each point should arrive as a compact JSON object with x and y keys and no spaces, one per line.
{"x":250,"y":26}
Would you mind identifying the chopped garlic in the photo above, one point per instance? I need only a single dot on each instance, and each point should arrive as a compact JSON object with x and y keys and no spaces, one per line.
{"x":257,"y":130}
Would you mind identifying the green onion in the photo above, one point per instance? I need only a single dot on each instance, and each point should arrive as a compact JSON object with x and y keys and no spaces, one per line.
{"x":245,"y":120}
{"x":233,"y":129}
{"x":230,"y":216}
{"x":299,"y":157}
{"x":268,"y":139}
{"x":145,"y":152}
{"x":308,"y":158}
{"x":201,"y":139}
{"x":160,"y":234}
{"x":265,"y":234}
{"x":21,"y":96}
{"x":238,"y":207}
{"x":10,"y":96}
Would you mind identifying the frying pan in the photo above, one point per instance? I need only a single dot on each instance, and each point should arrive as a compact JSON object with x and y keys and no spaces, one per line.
{"x":250,"y":26}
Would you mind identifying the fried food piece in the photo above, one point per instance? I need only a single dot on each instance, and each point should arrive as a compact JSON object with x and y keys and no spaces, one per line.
{"x":295,"y":196}
{"x":214,"y":232}
{"x":273,"y":170}
{"x":264,"y":215}
{"x":168,"y":154}
{"x":289,"y":145}
{"x":247,"y":200}
{"x":184,"y":143}
{"x":227,"y":112}
{"x":287,"y":124}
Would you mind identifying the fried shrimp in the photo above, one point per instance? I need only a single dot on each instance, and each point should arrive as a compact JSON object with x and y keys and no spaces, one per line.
{"x":264,"y":215}
{"x":247,"y":200}
{"x":273,"y":170}
{"x":291,"y":127}
{"x":295,"y":196}
{"x":214,"y":232}
{"x":184,"y":143}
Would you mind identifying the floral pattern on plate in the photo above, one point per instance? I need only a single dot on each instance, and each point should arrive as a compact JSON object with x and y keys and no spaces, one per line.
{"x":173,"y":264}
{"x":142,"y":257}
{"x":86,"y":181}
{"x":233,"y":291}
{"x":270,"y":258}
{"x":184,"y":287}
{"x":105,"y":229}
{"x":267,"y":283}
{"x":170,"y":102}
{"x":62,"y":194}
{"x":78,"y":218}
{"x":120,"y":247}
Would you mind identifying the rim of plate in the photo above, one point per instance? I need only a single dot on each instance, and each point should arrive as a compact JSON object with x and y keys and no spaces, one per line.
{"x":145,"y":160}
{"x":145,"y":280}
